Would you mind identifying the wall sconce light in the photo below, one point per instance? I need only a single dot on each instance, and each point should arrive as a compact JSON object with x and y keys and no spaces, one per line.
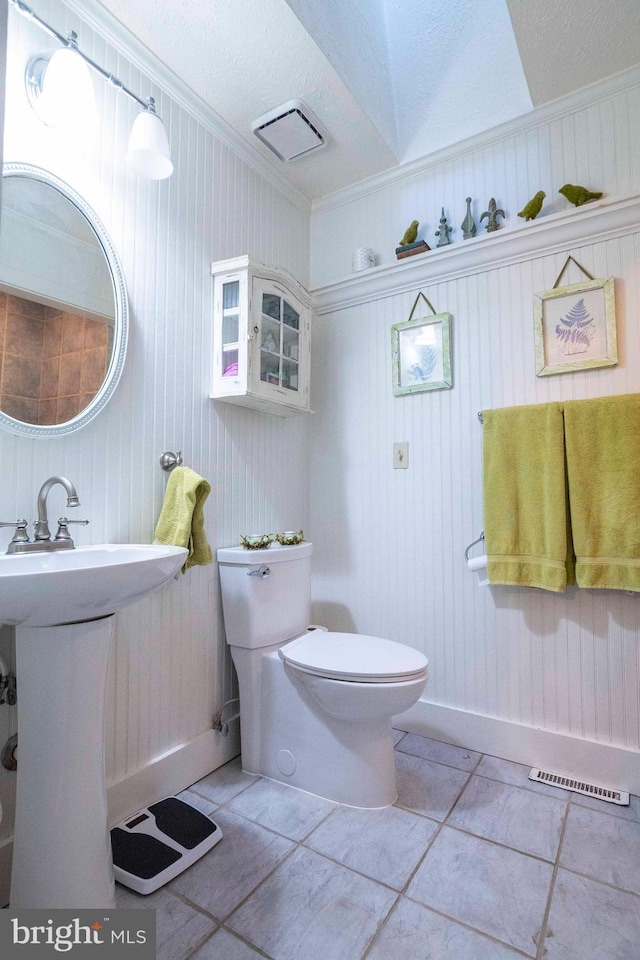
{"x":149,"y":151}
{"x":60,"y":90}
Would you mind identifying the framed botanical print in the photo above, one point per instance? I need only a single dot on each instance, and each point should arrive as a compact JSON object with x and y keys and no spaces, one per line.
{"x":575,"y":327}
{"x":421,"y":354}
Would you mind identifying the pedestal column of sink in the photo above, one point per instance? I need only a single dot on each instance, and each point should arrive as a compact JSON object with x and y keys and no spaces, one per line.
{"x":62,"y":849}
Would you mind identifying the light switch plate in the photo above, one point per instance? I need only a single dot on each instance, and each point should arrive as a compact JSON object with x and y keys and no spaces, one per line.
{"x":400,"y":456}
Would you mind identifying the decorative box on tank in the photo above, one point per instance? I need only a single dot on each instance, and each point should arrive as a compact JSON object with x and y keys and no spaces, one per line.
{"x":262,"y":325}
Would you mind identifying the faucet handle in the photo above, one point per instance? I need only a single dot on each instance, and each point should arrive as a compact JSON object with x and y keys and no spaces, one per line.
{"x":63,"y":528}
{"x":21,"y":535}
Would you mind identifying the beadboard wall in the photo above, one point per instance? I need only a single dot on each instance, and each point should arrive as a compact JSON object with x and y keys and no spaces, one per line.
{"x":171,"y":671}
{"x":551,"y":680}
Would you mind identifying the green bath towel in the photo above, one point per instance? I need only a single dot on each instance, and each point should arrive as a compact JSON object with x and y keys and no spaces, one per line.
{"x":526,"y":517}
{"x":603,"y":462}
{"x":181,"y":521}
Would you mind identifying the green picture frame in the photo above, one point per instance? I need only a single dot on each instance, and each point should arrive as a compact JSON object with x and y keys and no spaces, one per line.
{"x":421,"y":355}
{"x":575,"y":327}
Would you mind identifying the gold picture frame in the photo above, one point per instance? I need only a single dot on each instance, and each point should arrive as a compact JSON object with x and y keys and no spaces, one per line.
{"x":575,"y":327}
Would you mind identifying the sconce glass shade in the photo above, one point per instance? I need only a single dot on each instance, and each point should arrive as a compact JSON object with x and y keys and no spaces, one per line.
{"x":149,"y":152}
{"x":60,"y":90}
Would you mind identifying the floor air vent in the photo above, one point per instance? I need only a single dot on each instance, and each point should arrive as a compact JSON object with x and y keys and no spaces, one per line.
{"x":579,"y":786}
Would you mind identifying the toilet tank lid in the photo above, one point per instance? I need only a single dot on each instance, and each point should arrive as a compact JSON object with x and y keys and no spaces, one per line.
{"x":273,"y":554}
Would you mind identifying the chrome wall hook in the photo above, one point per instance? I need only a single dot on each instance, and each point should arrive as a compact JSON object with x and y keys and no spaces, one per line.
{"x":170,"y":460}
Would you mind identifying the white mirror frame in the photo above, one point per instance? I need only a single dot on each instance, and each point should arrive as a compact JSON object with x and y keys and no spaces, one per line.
{"x":121,"y":327}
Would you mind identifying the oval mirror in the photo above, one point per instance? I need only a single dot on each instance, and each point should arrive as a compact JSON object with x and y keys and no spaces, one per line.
{"x":63,"y":307}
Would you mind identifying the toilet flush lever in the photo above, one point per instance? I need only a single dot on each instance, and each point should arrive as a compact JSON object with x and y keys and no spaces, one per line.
{"x":261,"y":572}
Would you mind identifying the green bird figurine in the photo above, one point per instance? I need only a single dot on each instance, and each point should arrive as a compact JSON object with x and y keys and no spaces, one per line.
{"x":531,"y":210}
{"x":410,"y":234}
{"x":578,"y":195}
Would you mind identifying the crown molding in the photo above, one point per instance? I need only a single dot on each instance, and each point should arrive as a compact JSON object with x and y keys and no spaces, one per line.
{"x":120,"y":37}
{"x":556,"y":233}
{"x":555,"y":110}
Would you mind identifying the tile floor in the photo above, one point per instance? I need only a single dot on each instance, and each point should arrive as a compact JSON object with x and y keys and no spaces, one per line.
{"x":474,"y":862}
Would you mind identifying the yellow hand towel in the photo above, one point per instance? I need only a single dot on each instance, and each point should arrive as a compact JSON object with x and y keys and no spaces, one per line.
{"x":181,"y":521}
{"x":525,"y":497}
{"x":603,"y":462}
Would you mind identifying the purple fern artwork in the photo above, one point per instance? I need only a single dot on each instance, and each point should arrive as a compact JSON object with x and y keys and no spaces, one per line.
{"x":576,"y":330}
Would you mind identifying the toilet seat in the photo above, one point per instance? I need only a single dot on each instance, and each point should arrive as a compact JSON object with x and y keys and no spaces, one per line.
{"x":353,"y":657}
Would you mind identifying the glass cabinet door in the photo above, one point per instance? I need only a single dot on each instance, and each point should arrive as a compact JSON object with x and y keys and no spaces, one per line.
{"x":279,"y":341}
{"x":230,"y":328}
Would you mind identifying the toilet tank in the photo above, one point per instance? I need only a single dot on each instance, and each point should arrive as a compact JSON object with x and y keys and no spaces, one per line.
{"x":266,"y":594}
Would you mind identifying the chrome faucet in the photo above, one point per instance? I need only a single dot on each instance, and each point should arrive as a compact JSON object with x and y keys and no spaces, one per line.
{"x":42,"y":525}
{"x":42,"y":537}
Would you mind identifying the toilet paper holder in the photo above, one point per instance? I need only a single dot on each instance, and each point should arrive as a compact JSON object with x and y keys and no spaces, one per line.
{"x":479,"y":539}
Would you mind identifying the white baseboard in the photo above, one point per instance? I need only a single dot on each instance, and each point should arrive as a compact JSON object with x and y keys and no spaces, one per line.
{"x":599,"y":763}
{"x":172,"y":772}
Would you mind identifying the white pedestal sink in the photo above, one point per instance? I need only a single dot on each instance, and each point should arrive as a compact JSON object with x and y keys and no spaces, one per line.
{"x":62,"y":605}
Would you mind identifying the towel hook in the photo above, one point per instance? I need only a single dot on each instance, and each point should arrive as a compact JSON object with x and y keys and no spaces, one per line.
{"x":170,"y":460}
{"x":477,"y":540}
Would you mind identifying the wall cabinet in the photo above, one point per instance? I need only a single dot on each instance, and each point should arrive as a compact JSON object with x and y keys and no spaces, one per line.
{"x":261,"y":331}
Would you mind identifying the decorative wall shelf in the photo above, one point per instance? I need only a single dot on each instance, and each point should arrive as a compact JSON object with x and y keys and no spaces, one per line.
{"x":555,"y":233}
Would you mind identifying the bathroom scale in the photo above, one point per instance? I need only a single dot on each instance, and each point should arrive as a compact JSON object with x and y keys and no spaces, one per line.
{"x":158,"y":842}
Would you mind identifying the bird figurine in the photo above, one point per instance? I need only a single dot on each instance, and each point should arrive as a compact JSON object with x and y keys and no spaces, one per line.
{"x":531,"y":209}
{"x":410,"y":234}
{"x":578,"y":195}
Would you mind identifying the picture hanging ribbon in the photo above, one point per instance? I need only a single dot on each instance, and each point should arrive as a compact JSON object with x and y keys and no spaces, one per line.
{"x":566,"y":264}
{"x":415,"y":304}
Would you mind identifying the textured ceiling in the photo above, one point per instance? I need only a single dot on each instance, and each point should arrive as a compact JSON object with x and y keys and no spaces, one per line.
{"x":245,"y":57}
{"x":392,"y":80}
{"x":565,"y":46}
{"x":456,"y":71}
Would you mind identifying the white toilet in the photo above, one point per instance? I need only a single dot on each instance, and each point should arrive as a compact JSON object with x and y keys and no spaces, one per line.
{"x":315,"y":707}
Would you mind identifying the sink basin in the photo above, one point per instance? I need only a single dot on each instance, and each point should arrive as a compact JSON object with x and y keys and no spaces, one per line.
{"x":43,"y":589}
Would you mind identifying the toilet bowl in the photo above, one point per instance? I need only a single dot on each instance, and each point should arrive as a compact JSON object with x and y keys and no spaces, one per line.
{"x":356,"y":677}
{"x":315,"y":706}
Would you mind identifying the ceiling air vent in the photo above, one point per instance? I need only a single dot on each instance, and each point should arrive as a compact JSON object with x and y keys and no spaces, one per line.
{"x":291,"y":130}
